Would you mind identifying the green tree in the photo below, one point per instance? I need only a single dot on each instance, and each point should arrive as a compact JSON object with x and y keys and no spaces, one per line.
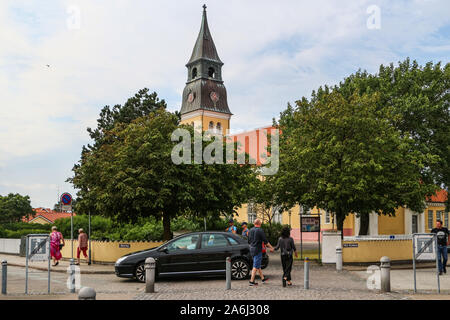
{"x":131,"y":175}
{"x":14,"y":207}
{"x":344,"y":155}
{"x":419,"y":97}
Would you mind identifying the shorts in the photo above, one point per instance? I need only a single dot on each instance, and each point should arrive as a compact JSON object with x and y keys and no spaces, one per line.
{"x":79,"y":251}
{"x":257,"y":259}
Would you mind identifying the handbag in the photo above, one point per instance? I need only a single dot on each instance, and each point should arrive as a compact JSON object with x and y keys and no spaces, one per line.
{"x":61,"y":246}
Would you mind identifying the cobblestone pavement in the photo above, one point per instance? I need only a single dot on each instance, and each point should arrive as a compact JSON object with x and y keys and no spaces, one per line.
{"x":325,"y":283}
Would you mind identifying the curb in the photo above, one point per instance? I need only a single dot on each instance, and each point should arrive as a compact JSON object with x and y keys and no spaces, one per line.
{"x":58,"y":270}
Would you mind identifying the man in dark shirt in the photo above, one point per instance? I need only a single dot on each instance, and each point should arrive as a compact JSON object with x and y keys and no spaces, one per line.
{"x":443,"y":241}
{"x":256,"y":237}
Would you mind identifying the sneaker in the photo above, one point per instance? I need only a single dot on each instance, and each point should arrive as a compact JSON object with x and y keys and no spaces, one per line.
{"x":440,"y":273}
{"x":445,"y":270}
{"x":254,"y":283}
{"x":265,"y":279}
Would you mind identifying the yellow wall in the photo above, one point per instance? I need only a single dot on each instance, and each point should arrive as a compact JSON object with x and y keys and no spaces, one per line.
{"x":107,"y":251}
{"x":392,"y":225}
{"x":204,"y":121}
{"x":39,"y":220}
{"x":372,"y":251}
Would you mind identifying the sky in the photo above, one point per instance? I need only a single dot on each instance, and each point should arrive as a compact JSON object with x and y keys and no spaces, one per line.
{"x":101,"y":52}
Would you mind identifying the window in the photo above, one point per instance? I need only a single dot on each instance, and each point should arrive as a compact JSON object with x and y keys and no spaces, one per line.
{"x":327,"y":217}
{"x":277,"y":216}
{"x":213,"y":241}
{"x":211,"y":72}
{"x":430,"y":219}
{"x":251,"y":214}
{"x":219,"y":127}
{"x":232,"y":241}
{"x":211,"y":125}
{"x":194,"y":73}
{"x":440,"y":215}
{"x":446,"y":219}
{"x":184,"y":243}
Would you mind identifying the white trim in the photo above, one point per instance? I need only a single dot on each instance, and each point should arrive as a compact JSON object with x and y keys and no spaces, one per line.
{"x":202,"y":113}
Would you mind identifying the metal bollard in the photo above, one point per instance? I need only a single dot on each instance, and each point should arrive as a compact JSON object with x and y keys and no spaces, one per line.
{"x":4,"y":275}
{"x":385,"y":274}
{"x":228,"y":272}
{"x":87,"y":293}
{"x":72,"y":275}
{"x":150,"y":275}
{"x":338,"y":258}
{"x":306,"y":267}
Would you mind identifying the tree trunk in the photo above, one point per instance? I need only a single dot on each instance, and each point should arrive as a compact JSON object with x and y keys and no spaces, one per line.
{"x":340,"y":217}
{"x":364,"y":224}
{"x":166,"y":225}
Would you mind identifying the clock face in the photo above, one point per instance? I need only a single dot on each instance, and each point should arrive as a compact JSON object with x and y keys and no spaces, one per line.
{"x":191,"y":97}
{"x":214,"y":96}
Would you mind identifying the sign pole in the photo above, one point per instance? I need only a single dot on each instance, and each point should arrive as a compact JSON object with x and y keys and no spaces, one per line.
{"x":301,"y":238}
{"x":414,"y":264}
{"x":319,"y":236}
{"x":71,"y":230}
{"x":49,"y":258}
{"x":437,"y":263}
{"x":26,"y":266}
{"x":90,"y":261}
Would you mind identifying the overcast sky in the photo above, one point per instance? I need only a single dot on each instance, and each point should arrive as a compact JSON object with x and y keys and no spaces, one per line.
{"x":102,"y":52}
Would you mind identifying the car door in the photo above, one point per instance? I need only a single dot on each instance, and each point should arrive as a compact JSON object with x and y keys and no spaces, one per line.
{"x":180,"y":255}
{"x":214,"y":249}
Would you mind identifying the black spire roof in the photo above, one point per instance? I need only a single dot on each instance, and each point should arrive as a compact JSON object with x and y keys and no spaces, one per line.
{"x":204,"y":47}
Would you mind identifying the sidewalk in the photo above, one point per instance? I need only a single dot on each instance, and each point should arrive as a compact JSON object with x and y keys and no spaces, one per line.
{"x":17,"y":261}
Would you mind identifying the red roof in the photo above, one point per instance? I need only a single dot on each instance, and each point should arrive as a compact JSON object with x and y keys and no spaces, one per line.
{"x":439,"y":196}
{"x":47,"y":214}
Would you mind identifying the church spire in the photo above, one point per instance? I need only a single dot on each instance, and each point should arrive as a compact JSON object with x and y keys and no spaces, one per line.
{"x":204,"y":47}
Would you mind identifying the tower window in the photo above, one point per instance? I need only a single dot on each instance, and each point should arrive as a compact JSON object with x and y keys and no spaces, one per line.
{"x":211,"y":72}
{"x":194,"y":73}
{"x":211,"y":125}
{"x":219,"y":127}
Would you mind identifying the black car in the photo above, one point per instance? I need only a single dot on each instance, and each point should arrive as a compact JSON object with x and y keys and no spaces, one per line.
{"x":198,"y":253}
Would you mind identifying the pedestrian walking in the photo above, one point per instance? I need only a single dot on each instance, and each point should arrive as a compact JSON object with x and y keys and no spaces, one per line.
{"x":442,"y":240}
{"x":231,"y":228}
{"x":56,"y":238}
{"x":244,"y":229}
{"x":256,"y":238}
{"x":287,"y":249}
{"x":82,"y":245}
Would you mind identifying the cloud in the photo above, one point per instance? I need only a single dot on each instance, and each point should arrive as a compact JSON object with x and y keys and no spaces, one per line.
{"x":274,"y":52}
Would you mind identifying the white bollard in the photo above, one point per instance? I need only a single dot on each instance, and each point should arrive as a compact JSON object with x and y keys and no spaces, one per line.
{"x":150,"y":275}
{"x":87,"y":293}
{"x":306,"y":275}
{"x":338,"y":259}
{"x":385,"y":274}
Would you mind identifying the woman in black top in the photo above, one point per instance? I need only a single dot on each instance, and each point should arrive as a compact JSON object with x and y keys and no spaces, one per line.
{"x":287,"y":246}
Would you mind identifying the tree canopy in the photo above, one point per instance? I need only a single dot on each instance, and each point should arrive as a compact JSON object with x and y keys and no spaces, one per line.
{"x":14,"y":207}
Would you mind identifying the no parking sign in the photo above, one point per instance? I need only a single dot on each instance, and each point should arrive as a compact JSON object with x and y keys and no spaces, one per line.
{"x":66,"y":202}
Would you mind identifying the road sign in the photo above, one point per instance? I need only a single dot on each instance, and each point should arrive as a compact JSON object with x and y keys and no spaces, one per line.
{"x":425,"y":249}
{"x":38,"y":248}
{"x":66,"y":201}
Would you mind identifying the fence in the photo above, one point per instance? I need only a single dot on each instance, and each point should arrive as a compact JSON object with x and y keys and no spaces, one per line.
{"x":11,"y":246}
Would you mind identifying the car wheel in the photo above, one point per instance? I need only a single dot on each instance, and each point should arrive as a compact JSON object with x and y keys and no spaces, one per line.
{"x":240,"y":269}
{"x":140,"y":272}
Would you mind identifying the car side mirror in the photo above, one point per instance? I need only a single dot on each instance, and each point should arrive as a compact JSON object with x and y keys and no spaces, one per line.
{"x":165,"y":250}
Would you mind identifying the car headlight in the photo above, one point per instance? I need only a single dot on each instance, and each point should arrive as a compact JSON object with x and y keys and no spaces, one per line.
{"x":120,"y":260}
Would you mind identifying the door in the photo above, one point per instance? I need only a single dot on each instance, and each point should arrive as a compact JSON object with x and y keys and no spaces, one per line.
{"x":181,"y":255}
{"x":415,"y":227}
{"x":213,"y":252}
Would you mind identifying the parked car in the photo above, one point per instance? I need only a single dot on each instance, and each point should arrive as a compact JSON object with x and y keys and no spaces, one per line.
{"x":197,"y":253}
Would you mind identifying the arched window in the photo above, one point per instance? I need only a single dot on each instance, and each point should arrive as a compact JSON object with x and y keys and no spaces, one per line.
{"x":219,"y":127}
{"x":211,"y":72}
{"x":211,"y":125}
{"x":194,"y":73}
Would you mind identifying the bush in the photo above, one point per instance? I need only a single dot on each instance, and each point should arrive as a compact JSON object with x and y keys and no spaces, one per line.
{"x":2,"y":232}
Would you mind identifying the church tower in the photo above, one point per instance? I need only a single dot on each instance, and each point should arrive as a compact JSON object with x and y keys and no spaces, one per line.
{"x":205,"y":97}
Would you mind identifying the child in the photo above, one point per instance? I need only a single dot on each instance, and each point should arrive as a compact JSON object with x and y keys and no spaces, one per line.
{"x":287,"y":246}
